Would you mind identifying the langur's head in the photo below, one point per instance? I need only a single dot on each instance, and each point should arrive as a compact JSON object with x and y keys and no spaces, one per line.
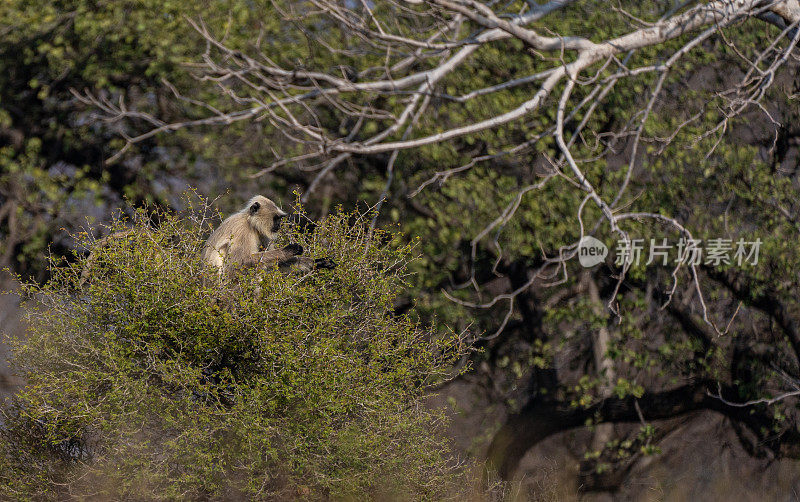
{"x":264,"y":216}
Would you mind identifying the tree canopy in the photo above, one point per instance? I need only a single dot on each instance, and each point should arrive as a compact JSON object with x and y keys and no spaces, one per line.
{"x":499,"y":135}
{"x":152,"y":376}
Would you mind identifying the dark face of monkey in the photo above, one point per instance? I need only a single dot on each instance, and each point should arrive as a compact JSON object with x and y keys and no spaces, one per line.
{"x":276,"y":221}
{"x":265,"y":216}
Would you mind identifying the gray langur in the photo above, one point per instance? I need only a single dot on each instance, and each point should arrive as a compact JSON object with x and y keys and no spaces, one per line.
{"x":236,"y":242}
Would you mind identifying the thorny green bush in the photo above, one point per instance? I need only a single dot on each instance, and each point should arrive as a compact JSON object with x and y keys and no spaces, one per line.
{"x":154,"y":379}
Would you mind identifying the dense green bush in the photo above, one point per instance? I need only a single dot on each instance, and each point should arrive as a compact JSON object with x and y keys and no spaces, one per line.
{"x":153,"y":379}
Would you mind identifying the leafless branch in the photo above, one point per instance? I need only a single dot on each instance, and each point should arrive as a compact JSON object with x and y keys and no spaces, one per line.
{"x":416,"y":47}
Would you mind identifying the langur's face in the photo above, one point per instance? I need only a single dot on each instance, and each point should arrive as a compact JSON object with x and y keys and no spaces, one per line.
{"x":265,"y":215}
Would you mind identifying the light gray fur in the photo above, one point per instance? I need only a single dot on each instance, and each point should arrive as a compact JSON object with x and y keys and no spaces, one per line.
{"x":237,"y":241}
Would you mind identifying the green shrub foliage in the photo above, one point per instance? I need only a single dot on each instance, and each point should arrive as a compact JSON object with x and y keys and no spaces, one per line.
{"x":155,"y":379}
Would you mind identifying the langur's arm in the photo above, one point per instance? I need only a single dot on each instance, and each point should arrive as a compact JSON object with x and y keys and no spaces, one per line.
{"x":270,"y":258}
{"x":306,"y":264}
